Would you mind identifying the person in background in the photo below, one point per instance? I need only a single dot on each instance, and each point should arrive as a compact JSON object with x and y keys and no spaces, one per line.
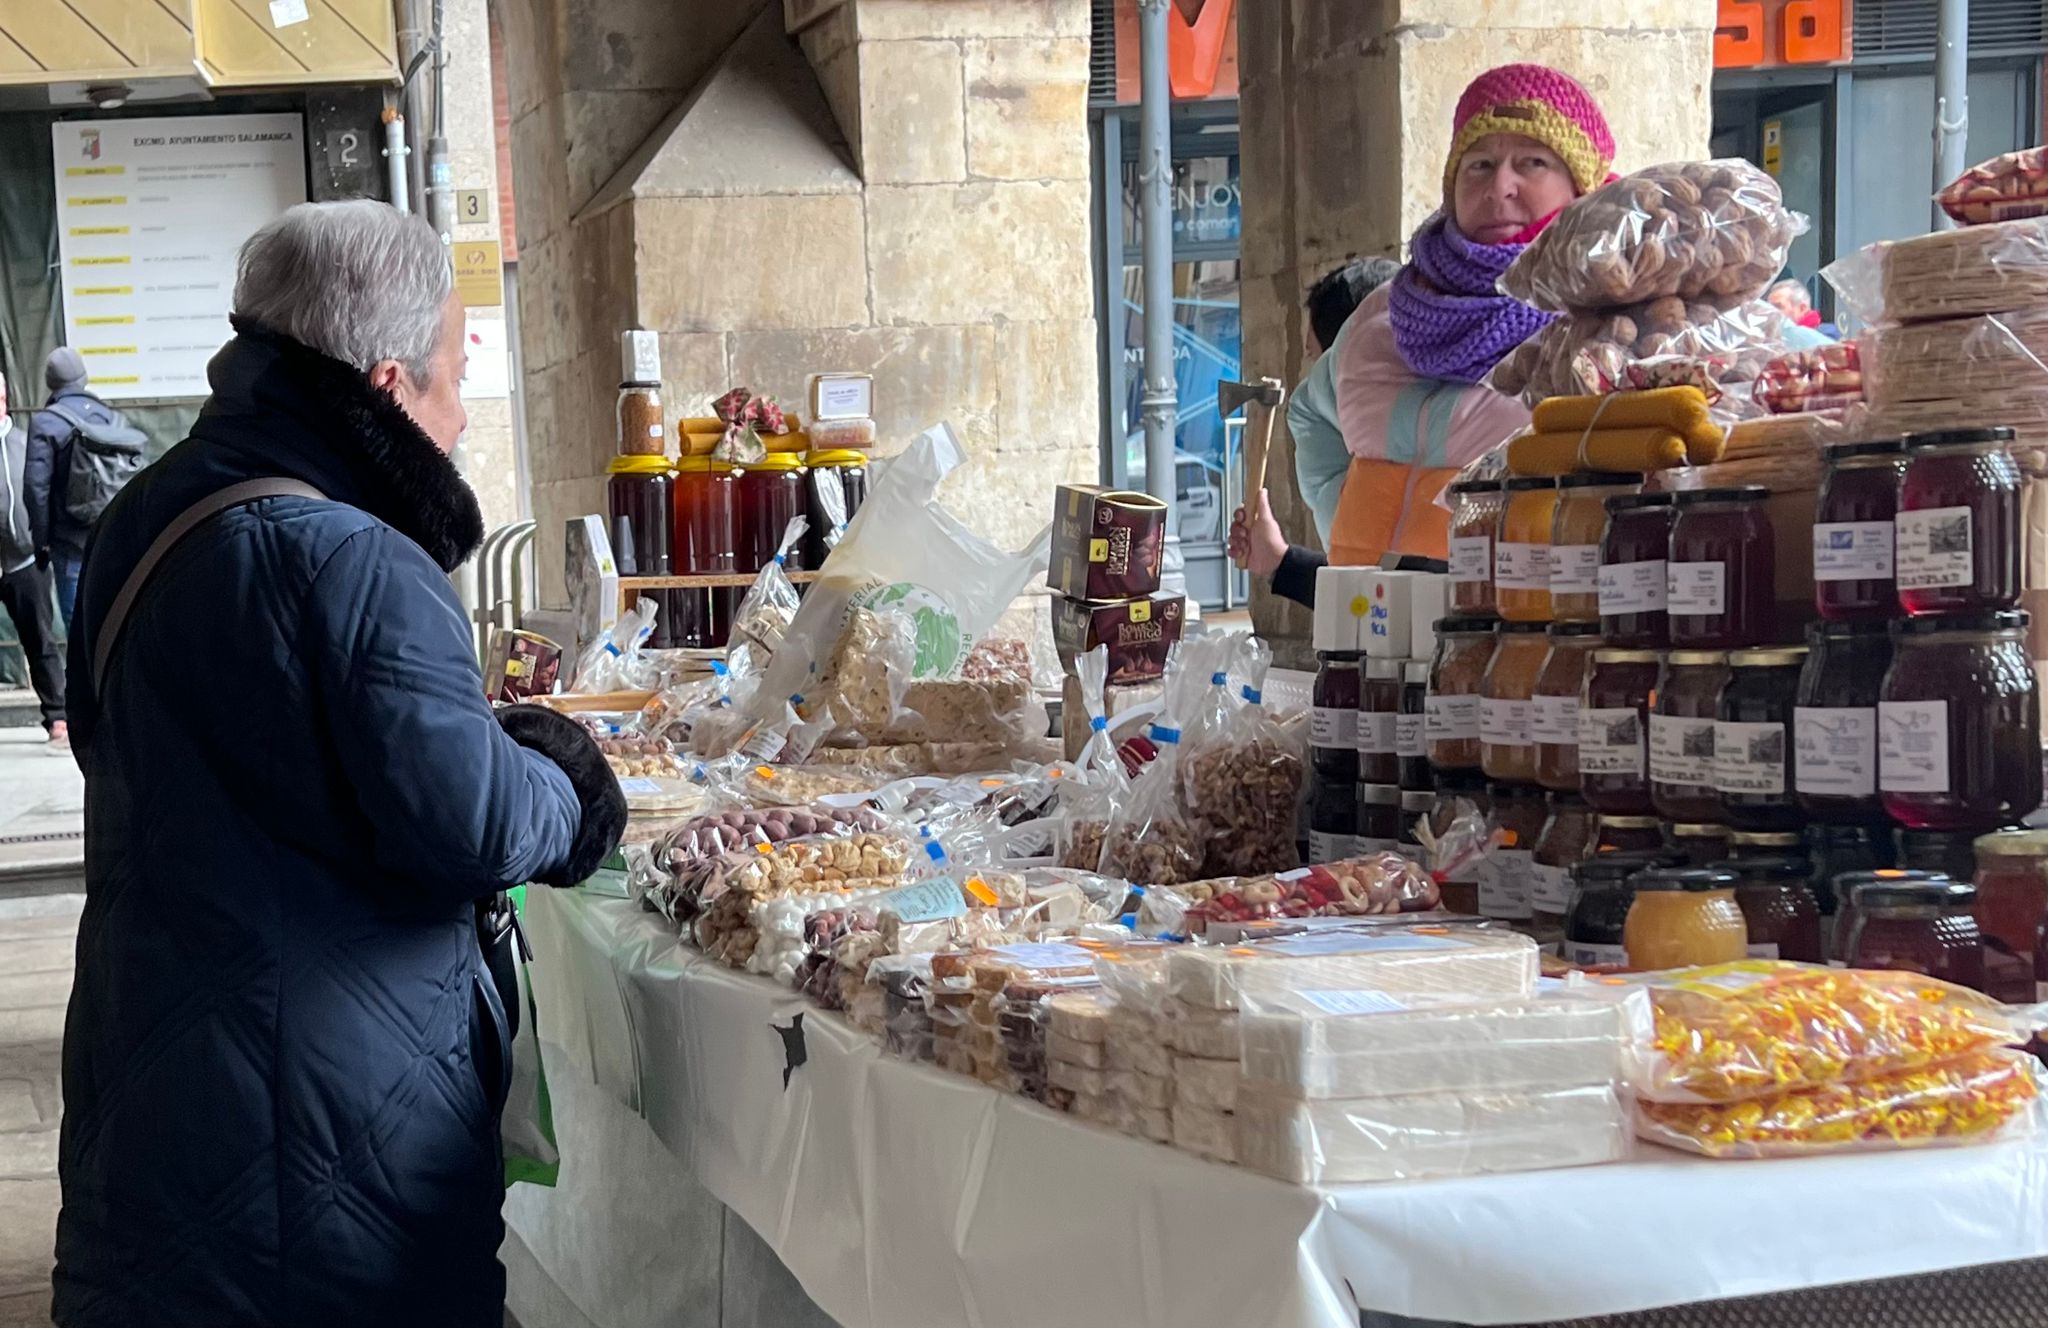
{"x":1397,"y":406}
{"x":25,"y":590}
{"x":49,"y":468}
{"x":1789,"y":297}
{"x":286,"y":1058}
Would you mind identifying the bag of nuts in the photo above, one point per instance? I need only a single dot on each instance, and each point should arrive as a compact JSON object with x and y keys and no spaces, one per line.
{"x":1089,"y":798}
{"x":1718,"y":344}
{"x":1243,"y":777}
{"x":1153,"y":839}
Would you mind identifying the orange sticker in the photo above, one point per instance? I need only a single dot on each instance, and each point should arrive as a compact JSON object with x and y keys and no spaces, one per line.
{"x":979,"y":889}
{"x":991,"y":783}
{"x":764,"y":772}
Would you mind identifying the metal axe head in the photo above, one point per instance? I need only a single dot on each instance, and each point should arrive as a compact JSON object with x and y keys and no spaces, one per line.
{"x":1268,"y":392}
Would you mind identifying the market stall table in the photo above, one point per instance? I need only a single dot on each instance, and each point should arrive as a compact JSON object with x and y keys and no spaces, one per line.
{"x":899,"y":1194}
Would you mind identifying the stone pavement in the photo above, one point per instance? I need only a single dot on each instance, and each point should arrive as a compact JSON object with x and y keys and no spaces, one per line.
{"x":42,"y":816}
{"x":37,"y":936}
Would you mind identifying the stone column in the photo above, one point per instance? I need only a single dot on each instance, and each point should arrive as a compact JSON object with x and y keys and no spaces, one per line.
{"x":1345,"y":109}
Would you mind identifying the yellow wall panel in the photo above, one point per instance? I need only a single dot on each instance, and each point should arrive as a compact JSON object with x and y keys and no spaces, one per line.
{"x":240,"y":46}
{"x":57,"y":38}
{"x":49,"y":41}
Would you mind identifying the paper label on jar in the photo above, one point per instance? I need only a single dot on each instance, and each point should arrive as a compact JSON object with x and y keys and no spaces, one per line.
{"x":1588,"y":954}
{"x":1521,"y":566}
{"x":1408,"y":735}
{"x":1451,"y":718}
{"x":1611,"y":742}
{"x":1763,"y":949}
{"x":1326,"y":847}
{"x":1505,"y":885}
{"x":1749,"y":758}
{"x":1934,"y":548}
{"x":1835,"y":751}
{"x":1471,"y":557}
{"x":1504,"y":723}
{"x":1574,"y":569}
{"x":1912,"y":753}
{"x":1550,"y":888}
{"x":1332,"y":726}
{"x":1696,"y":588}
{"x":1634,"y":587}
{"x":1554,"y":720}
{"x":1681,"y":750}
{"x":1376,"y":732}
{"x":1852,"y":551}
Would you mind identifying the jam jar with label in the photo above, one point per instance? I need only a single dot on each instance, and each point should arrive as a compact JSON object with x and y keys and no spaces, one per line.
{"x":1628,"y":834}
{"x":1753,"y":738}
{"x":2012,"y":904}
{"x":1684,"y":917}
{"x":1410,"y":742}
{"x":1566,"y":837}
{"x":1464,"y":649}
{"x":1613,"y":715}
{"x":1682,"y":735}
{"x":1505,"y":883}
{"x":1521,"y":549}
{"x":1379,"y":819}
{"x":1957,"y":533}
{"x":1554,"y":704}
{"x":1575,"y":534}
{"x":1720,"y":577}
{"x":705,"y":543}
{"x":1507,"y":747}
{"x":1703,"y":844}
{"x":1834,"y":722}
{"x":1852,"y":532}
{"x":1596,"y":920}
{"x":1849,"y":886}
{"x":1379,"y":708}
{"x":1333,"y":713}
{"x":1634,"y":577}
{"x":1959,"y":727}
{"x":1918,"y":927}
{"x":1475,"y":513}
{"x":1779,"y":909}
{"x":772,"y":493}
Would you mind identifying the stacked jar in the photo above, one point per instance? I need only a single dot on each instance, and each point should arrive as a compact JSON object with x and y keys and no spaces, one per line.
{"x":1333,"y":716}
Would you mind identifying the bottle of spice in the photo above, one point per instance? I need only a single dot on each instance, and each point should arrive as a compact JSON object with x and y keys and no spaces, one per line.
{"x":638,"y":417}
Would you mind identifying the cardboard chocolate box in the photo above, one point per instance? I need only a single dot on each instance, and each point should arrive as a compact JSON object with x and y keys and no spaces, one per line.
{"x":1106,"y":543}
{"x":1139,"y":632}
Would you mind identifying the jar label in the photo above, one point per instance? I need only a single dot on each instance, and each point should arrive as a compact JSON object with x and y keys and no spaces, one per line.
{"x":1835,"y":750}
{"x":1852,"y":551}
{"x":1452,"y":718}
{"x":1376,"y":732}
{"x":1681,"y":750}
{"x":1326,"y":847}
{"x":1912,"y":753}
{"x":1521,"y":566}
{"x":1590,"y":954}
{"x":1611,"y":742}
{"x":1749,"y":758}
{"x":1763,"y":949}
{"x":1554,"y":720}
{"x":1504,"y":884}
{"x":1408,"y":735}
{"x":1633,"y":587}
{"x":1550,"y":888}
{"x":1471,"y":557}
{"x":1934,"y":548}
{"x":1504,"y":723}
{"x":1696,"y":589}
{"x":1333,"y":726}
{"x":1575,"y":569}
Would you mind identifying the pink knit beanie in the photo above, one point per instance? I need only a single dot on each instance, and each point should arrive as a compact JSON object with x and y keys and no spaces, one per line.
{"x":1540,"y":103}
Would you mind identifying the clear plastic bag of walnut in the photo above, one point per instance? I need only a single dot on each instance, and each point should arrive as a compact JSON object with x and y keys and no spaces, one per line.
{"x":1242,"y":777}
{"x":1153,"y":839}
{"x":869,"y":680}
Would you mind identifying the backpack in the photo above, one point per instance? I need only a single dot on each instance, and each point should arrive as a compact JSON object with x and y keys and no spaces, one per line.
{"x":104,"y":457}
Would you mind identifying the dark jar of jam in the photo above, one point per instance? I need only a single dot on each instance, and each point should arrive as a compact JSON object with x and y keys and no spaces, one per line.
{"x":1505,"y":879}
{"x":1333,"y":718}
{"x":771,"y":495}
{"x":1613,"y":723}
{"x":1633,"y":578}
{"x":1778,"y":905}
{"x":1554,"y":705}
{"x":1379,"y":708}
{"x":1959,"y":726}
{"x":1410,"y":735}
{"x":1753,"y":738}
{"x":1834,"y":722}
{"x":1848,"y":888}
{"x":1379,"y":819}
{"x":1332,"y":820}
{"x":1594,"y":922}
{"x":1567,"y":835}
{"x":2012,"y":904}
{"x":1702,"y":843}
{"x":837,"y":488}
{"x":1628,"y":834}
{"x":1852,"y":532}
{"x":1721,"y":571}
{"x":706,"y":544}
{"x":1957,"y":531}
{"x":640,"y":490}
{"x":1919,"y":927}
{"x":1682,"y":735}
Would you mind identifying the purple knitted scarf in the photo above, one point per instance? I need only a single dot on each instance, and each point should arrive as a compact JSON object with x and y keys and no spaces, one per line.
{"x":1449,"y":320}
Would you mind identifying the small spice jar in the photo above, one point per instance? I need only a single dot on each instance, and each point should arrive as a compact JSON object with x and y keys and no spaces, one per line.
{"x":1684,"y":917}
{"x":1563,"y":843}
{"x":1628,"y":834}
{"x":1959,"y":724}
{"x":1721,"y":576}
{"x":1576,"y":530}
{"x":1379,"y":707}
{"x":1554,"y":703}
{"x":1410,"y":742}
{"x":1682,"y":735}
{"x":1779,"y":909}
{"x":1613,"y":773}
{"x":1634,"y":573}
{"x":1475,"y":513}
{"x":1521,"y":549}
{"x":1834,"y":722}
{"x":1460,"y":797}
{"x":1919,"y":927}
{"x":1505,"y":883}
{"x":1379,"y":819}
{"x":1852,"y":531}
{"x":1464,"y":649}
{"x":639,"y":420}
{"x":1596,"y":921}
{"x":1507,"y":747}
{"x":1753,"y":738}
{"x":2012,"y":905}
{"x":1703,"y":844}
{"x":1958,"y":530}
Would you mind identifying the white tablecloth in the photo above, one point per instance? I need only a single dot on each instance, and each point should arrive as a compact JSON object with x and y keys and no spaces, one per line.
{"x":902,"y":1195}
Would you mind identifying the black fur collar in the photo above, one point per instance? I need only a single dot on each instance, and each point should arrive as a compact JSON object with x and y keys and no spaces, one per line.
{"x":375,"y":457}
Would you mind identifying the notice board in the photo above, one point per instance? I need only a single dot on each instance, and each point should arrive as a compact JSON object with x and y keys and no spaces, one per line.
{"x":150,"y":216}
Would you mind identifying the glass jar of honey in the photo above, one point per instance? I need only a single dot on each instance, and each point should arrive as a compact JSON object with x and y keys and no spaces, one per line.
{"x":1521,"y":549}
{"x":1682,"y":735}
{"x":1507,"y":748}
{"x":1554,"y":704}
{"x":1613,"y":715}
{"x":1721,"y":574}
{"x":1576,"y":530}
{"x":2012,"y":905}
{"x":1475,"y":514}
{"x":1684,"y":917}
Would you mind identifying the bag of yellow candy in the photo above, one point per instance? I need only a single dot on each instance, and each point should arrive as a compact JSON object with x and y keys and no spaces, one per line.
{"x":1759,"y":1029}
{"x":1964,"y":1101}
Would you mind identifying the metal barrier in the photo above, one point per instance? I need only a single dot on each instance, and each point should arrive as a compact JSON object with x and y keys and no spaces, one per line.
{"x":505,"y":580}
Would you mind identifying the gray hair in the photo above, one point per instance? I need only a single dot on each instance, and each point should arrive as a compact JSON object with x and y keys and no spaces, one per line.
{"x":359,"y":281}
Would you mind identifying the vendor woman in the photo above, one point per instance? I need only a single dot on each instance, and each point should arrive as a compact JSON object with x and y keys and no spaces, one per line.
{"x":1390,"y":414}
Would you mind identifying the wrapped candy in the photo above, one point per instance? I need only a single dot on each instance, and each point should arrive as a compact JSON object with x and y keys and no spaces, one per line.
{"x":2008,"y":187}
{"x":1825,"y":378}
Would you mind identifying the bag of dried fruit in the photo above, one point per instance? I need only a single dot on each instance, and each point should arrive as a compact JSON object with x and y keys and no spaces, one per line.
{"x":1242,"y":771}
{"x":1153,"y":839}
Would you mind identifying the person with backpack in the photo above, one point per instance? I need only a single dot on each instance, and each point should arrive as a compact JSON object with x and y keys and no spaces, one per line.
{"x":81,"y":451}
{"x":25,"y":586}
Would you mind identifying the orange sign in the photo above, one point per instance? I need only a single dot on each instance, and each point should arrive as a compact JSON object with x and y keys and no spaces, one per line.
{"x":1201,"y":49}
{"x":1765,"y":34}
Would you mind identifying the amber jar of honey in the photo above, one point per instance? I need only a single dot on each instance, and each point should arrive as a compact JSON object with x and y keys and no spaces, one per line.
{"x":1684,"y":917}
{"x":1521,"y":549}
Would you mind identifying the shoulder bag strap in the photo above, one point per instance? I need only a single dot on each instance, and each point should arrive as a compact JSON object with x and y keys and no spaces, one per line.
{"x":248,"y":491}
